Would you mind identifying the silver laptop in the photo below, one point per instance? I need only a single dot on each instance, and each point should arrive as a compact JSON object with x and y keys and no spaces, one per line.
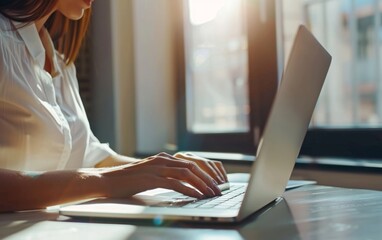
{"x":281,"y":142}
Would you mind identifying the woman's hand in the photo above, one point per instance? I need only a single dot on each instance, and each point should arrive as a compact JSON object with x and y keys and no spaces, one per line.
{"x":164,"y":171}
{"x":214,"y":168}
{"x":185,"y":173}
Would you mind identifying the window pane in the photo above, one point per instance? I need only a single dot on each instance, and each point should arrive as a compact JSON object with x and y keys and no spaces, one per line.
{"x":351,"y":31}
{"x":216,"y":66}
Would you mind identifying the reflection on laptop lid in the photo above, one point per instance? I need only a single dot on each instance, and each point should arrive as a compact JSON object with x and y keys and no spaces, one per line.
{"x":281,"y":142}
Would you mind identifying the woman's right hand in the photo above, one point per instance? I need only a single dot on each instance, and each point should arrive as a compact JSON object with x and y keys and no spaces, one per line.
{"x":63,"y":186}
{"x":159,"y":171}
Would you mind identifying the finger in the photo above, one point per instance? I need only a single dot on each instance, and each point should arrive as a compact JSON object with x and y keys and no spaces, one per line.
{"x":205,"y":164}
{"x":176,"y":185}
{"x":213,"y":165}
{"x":183,"y":172}
{"x":211,"y":183}
{"x":207,"y":179}
{"x":186,"y":175}
{"x":216,"y":165}
{"x":164,"y":159}
{"x":209,"y":168}
{"x":152,"y":181}
{"x":220,"y":166}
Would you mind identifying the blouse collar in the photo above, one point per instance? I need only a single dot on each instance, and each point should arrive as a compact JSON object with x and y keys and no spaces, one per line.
{"x":35,"y":45}
{"x":30,"y":36}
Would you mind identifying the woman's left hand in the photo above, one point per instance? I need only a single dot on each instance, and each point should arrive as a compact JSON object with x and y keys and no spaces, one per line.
{"x":214,"y":168}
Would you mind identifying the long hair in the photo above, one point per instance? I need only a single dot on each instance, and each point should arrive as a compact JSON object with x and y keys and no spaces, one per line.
{"x":67,"y":34}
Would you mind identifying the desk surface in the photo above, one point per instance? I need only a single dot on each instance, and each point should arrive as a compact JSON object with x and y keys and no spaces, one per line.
{"x":309,"y":212}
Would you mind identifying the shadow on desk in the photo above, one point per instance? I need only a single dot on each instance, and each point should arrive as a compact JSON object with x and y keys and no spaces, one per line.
{"x":12,"y":224}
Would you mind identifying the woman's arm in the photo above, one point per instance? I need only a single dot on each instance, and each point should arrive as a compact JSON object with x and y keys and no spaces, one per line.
{"x":36,"y":190}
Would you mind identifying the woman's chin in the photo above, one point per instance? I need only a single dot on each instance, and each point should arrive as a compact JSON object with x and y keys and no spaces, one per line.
{"x":75,"y":16}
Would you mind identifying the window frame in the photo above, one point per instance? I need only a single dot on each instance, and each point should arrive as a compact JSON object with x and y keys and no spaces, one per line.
{"x":263,"y":77}
{"x":355,"y":143}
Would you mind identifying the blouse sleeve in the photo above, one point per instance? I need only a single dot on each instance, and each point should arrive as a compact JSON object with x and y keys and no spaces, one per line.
{"x":96,"y":152}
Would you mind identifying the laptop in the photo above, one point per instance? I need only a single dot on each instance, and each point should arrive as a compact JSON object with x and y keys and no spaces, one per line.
{"x":279,"y":147}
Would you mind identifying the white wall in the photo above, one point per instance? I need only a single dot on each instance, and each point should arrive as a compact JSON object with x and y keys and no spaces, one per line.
{"x":154,"y":68}
{"x":134,"y":75}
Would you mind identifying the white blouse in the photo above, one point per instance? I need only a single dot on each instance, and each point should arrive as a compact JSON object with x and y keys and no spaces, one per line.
{"x":43,"y":124}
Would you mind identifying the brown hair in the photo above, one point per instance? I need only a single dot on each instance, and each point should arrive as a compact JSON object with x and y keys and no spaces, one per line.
{"x":67,"y":34}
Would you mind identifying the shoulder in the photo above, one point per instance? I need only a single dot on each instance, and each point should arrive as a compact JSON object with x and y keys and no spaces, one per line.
{"x":12,"y":47}
{"x":7,"y":30}
{"x":5,"y":24}
{"x":10,"y":40}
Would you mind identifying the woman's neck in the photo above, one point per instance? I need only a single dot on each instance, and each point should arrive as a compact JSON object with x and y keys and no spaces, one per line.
{"x":48,"y":66}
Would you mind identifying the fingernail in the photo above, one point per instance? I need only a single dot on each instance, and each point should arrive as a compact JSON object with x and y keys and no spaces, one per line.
{"x":217,"y":191}
{"x":215,"y":188}
{"x":211,"y":192}
{"x":221,"y":180}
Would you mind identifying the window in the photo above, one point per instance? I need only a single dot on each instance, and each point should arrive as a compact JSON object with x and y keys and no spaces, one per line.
{"x":234,"y":54}
{"x":216,"y":109}
{"x":217,"y":66}
{"x":351,"y":30}
{"x":348,"y":118}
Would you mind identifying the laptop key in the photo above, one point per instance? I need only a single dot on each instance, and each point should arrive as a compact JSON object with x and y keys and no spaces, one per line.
{"x":230,"y":199}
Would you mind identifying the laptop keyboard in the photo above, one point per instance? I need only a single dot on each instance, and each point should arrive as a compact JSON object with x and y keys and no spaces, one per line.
{"x":230,"y":199}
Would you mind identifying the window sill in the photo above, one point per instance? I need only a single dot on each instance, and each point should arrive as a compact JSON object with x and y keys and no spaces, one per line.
{"x":335,"y":164}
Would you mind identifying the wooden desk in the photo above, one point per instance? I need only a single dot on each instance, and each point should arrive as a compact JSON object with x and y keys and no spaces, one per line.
{"x":310,"y":212}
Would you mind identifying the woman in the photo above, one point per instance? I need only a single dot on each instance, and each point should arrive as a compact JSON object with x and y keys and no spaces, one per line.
{"x":48,"y":154}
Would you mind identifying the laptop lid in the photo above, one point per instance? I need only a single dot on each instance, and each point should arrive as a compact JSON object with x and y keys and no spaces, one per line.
{"x":288,"y":121}
{"x":281,"y":142}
